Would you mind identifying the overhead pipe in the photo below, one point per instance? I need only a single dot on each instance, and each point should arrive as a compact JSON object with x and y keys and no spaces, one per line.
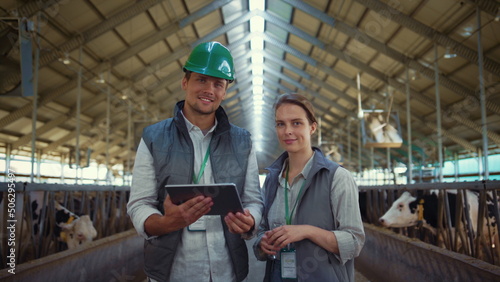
{"x":303,"y":57}
{"x":95,"y":31}
{"x":388,"y":51}
{"x":429,"y":33}
{"x":472,"y":125}
{"x":106,"y":26}
{"x":487,"y":6}
{"x":57,"y":121}
{"x":460,"y":141}
{"x":30,"y":8}
{"x":418,"y":96}
{"x":350,"y":82}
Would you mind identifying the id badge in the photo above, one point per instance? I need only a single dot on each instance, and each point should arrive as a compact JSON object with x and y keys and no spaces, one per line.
{"x":199,"y":225}
{"x":288,"y":263}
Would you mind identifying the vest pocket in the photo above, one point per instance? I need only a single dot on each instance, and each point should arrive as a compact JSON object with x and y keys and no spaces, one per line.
{"x":158,"y":257}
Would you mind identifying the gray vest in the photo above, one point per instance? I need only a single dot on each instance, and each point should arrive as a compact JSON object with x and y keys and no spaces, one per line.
{"x":173,"y":157}
{"x":313,"y":262}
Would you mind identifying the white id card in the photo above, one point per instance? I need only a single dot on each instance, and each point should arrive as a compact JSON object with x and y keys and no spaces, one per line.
{"x":288,"y":263}
{"x":199,"y":225}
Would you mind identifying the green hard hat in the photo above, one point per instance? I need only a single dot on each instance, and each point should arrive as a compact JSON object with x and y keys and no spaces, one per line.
{"x":213,"y":59}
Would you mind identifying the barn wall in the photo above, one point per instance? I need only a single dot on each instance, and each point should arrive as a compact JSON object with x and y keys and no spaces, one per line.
{"x":115,"y":258}
{"x":388,"y":256}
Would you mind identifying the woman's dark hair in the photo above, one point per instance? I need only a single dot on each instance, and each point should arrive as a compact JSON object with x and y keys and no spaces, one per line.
{"x":299,"y":100}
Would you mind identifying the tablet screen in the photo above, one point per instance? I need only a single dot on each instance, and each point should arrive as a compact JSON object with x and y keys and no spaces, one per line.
{"x":224,"y":195}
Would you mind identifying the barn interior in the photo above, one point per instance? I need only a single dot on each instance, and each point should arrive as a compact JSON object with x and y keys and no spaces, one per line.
{"x":80,"y":79}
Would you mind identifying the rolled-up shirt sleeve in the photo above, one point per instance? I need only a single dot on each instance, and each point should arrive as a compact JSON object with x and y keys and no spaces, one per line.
{"x":143,"y":196}
{"x":252,"y":197}
{"x":349,"y":230}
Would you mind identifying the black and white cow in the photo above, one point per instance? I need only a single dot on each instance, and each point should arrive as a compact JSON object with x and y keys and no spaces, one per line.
{"x":69,"y":228}
{"x":408,"y":211}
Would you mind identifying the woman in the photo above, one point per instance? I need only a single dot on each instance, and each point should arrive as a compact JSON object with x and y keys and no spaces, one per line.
{"x":311,"y":228}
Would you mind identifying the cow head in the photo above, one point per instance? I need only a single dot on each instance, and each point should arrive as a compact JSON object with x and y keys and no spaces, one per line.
{"x":403,"y":212}
{"x":78,"y":231}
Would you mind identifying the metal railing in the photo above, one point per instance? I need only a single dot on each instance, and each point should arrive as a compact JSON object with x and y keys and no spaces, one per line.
{"x":106,"y":206}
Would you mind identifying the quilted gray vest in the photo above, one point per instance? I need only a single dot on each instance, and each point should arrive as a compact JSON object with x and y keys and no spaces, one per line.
{"x":313,"y":262}
{"x":173,"y":156}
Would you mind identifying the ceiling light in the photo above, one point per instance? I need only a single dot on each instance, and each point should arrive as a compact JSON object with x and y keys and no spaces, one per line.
{"x":257,"y":58}
{"x":497,"y":17}
{"x":65,"y":60}
{"x":257,"y":80}
{"x":257,"y":43}
{"x":258,"y":106}
{"x":258,"y":97}
{"x":257,"y":24}
{"x":258,"y":89}
{"x":414,"y":75}
{"x":256,"y":5}
{"x":258,"y":102}
{"x":449,"y":53}
{"x":257,"y":70}
{"x":100,"y":80}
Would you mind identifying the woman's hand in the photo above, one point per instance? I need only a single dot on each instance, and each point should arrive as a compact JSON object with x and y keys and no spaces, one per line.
{"x":281,"y":236}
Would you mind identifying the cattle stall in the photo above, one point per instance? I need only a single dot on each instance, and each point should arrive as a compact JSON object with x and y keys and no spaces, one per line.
{"x":454,"y":242}
{"x":30,"y":208}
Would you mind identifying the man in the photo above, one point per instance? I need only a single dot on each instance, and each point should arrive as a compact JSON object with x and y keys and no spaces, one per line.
{"x":197,"y":145}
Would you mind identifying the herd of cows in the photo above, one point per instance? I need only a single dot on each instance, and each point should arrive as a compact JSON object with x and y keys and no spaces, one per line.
{"x":45,"y":225}
{"x":454,"y":217}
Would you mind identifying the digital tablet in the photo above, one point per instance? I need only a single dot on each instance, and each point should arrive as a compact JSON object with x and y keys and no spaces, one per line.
{"x":224,"y":195}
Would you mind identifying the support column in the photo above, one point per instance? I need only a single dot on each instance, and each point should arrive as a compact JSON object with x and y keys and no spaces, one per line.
{"x":108,"y":130}
{"x":438,"y":114}
{"x":359,"y":149}
{"x":63,"y":160}
{"x":35,"y":101}
{"x":78,"y":118}
{"x":129,"y":143}
{"x":39,"y":165}
{"x":484,"y":130}
{"x":409,"y":166}
{"x":349,"y":141}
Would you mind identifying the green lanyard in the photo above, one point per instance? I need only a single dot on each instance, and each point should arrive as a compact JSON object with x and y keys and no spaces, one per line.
{"x":202,"y":168}
{"x":288,"y":218}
